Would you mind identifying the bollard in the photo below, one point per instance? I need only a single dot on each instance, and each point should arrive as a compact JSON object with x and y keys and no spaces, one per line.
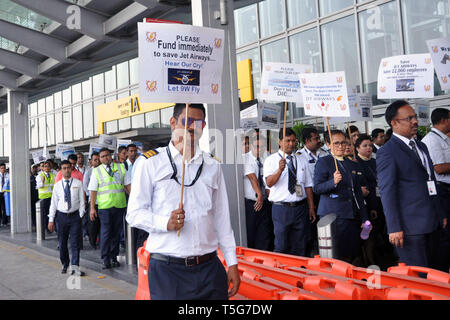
{"x":131,"y":249}
{"x":40,"y":231}
{"x":326,"y":230}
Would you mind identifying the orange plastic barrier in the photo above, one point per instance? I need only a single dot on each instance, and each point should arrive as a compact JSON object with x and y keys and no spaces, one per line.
{"x":413,"y":294}
{"x":412,"y":271}
{"x":334,"y":289}
{"x":143,"y":259}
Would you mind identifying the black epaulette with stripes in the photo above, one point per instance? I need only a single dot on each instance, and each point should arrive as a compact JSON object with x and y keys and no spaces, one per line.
{"x":150,"y":153}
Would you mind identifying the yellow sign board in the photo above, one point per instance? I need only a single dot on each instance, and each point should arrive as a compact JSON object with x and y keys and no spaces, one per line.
{"x":245,"y":79}
{"x":124,"y":108}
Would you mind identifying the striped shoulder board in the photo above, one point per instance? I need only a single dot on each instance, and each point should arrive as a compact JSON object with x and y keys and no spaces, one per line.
{"x":150,"y":153}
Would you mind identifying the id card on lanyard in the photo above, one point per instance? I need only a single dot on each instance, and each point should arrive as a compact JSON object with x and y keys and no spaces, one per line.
{"x":431,"y":185}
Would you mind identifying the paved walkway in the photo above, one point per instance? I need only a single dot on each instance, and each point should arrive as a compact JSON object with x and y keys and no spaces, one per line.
{"x":28,"y":274}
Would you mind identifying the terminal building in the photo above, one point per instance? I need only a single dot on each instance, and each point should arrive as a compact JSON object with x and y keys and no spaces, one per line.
{"x":69,"y":69}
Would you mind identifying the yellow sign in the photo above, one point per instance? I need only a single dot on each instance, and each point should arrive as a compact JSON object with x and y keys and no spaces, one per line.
{"x":124,"y":108}
{"x":245,"y":80}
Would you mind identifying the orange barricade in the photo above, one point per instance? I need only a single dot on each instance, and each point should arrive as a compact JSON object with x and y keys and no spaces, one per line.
{"x":413,"y":294}
{"x":143,"y":259}
{"x":412,"y":271}
{"x":256,"y":290}
{"x":300,"y":295}
{"x":334,"y":289}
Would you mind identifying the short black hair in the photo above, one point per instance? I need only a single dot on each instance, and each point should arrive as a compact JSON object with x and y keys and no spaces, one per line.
{"x":376,"y":132}
{"x":289,"y":132}
{"x":437,"y":116}
{"x":326,"y":136}
{"x":388,"y":134}
{"x":72,"y":157}
{"x":121,"y":148}
{"x":66,"y":162}
{"x":307,"y":133}
{"x":179,"y":107}
{"x":392,"y":110}
{"x":361,"y":138}
{"x":353,"y":129}
{"x":2,"y":165}
{"x":95,"y":154}
{"x":131,"y":145}
{"x":103,"y":150}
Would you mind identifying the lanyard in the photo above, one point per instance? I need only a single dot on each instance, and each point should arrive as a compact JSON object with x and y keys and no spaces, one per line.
{"x":175,"y":171}
{"x":440,"y":136}
{"x":65,"y":184}
{"x":351,"y":182}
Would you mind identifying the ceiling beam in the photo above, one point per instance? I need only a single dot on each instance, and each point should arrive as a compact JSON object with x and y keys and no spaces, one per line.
{"x":8,"y":80}
{"x":19,"y":63}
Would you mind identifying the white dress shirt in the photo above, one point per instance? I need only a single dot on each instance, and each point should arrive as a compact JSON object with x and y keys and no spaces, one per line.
{"x":82,"y":170}
{"x":251,"y":166}
{"x":422,"y":155}
{"x":279,"y":191}
{"x":76,"y":196}
{"x":311,"y":158}
{"x":438,"y":145}
{"x":154,"y":195}
{"x":93,"y":183}
{"x":5,"y":178}
{"x":39,"y":183}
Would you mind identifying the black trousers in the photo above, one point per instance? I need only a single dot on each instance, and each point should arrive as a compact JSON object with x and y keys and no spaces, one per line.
{"x":3,"y":216}
{"x":111,"y":224}
{"x":169,"y":281}
{"x":420,"y":250}
{"x":259,"y":226}
{"x":69,"y":228}
{"x":93,"y":228}
{"x":45,"y":208}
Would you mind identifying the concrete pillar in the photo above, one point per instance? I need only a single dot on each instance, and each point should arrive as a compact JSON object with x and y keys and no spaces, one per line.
{"x":225,"y":116}
{"x":19,"y":162}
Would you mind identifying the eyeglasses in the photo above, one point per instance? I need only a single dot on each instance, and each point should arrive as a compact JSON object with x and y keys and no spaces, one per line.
{"x":198,"y":123}
{"x":341,"y":143}
{"x":409,"y":119}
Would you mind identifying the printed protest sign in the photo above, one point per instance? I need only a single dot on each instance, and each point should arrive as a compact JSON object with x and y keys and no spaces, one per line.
{"x":95,"y":147}
{"x":249,"y":117}
{"x":325,"y":94}
{"x":123,"y":142}
{"x":38,"y":156}
{"x":262,"y":116}
{"x":408,"y":76}
{"x":440,"y":53}
{"x":107,"y":141}
{"x":423,"y":111}
{"x":360,"y":105}
{"x":180,"y":63}
{"x":280,"y":81}
{"x":64,"y":150}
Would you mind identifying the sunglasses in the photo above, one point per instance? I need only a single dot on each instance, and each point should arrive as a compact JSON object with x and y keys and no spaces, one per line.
{"x":197,"y":123}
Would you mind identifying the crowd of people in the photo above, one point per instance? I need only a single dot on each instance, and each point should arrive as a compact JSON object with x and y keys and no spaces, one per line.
{"x":392,"y":180}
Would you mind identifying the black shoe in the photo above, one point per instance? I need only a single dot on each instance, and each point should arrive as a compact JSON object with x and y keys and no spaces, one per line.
{"x":106,"y":265}
{"x":78,"y":273}
{"x":115,"y":263}
{"x":64,"y":269}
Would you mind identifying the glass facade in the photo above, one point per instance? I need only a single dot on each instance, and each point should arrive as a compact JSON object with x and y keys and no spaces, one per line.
{"x":338,"y":35}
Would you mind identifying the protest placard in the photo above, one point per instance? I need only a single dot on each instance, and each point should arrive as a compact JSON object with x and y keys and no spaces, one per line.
{"x":360,"y":105}
{"x":440,"y":53}
{"x":262,"y":116}
{"x":180,"y":63}
{"x":108,"y":141}
{"x":64,"y":150}
{"x":325,"y":94}
{"x":38,"y":156}
{"x":280,"y":81}
{"x":95,"y":147}
{"x":405,"y":77}
{"x":123,"y":142}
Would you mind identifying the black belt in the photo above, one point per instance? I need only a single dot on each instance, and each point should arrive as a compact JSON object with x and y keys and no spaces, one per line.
{"x":291,"y":204}
{"x":69,"y":214}
{"x":188,"y":262}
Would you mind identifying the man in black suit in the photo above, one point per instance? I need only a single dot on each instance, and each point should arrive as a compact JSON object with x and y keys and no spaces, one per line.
{"x":378,"y":139}
{"x":408,"y":189}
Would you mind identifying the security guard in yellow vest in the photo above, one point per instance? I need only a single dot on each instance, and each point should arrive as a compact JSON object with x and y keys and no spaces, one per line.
{"x":45,"y":181}
{"x":108,"y":185}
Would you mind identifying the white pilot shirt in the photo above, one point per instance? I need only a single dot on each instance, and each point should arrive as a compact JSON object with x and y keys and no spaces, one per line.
{"x":76,"y":196}
{"x":279,"y":191}
{"x":438,"y":145}
{"x":251,"y":166}
{"x":93,"y":184}
{"x":154,"y":195}
{"x":311,"y":159}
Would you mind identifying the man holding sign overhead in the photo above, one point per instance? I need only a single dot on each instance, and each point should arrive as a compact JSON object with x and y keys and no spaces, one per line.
{"x":184,"y":266}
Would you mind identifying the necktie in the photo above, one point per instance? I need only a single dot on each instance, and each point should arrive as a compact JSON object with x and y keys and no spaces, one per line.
{"x":109,"y":170}
{"x":260,"y":175}
{"x":3,"y":181}
{"x":292,"y":180}
{"x":67,"y":197}
{"x":414,"y":148}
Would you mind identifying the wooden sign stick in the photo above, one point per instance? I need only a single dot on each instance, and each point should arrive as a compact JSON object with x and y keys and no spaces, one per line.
{"x":184,"y":159}
{"x":284,"y":127}
{"x":331,"y":143}
{"x":351,"y":141}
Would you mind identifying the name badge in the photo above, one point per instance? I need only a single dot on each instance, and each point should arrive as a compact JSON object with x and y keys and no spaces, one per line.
{"x":116,"y":176}
{"x":299,"y":190}
{"x":431,"y":188}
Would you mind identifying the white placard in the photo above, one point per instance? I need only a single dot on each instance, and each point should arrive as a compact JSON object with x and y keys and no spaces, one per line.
{"x":249,"y":117}
{"x":422,"y":109}
{"x":107,"y":141}
{"x":64,"y":150}
{"x":280,"y":81}
{"x":325,"y":94}
{"x":95,"y":147}
{"x":405,"y":77}
{"x":180,"y":63}
{"x":38,"y":156}
{"x":440,"y":53}
{"x":262,"y":115}
{"x":360,"y":109}
{"x":123,"y":142}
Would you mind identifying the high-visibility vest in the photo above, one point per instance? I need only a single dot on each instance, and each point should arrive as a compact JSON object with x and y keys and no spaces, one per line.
{"x":46,"y":190}
{"x":110,"y":191}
